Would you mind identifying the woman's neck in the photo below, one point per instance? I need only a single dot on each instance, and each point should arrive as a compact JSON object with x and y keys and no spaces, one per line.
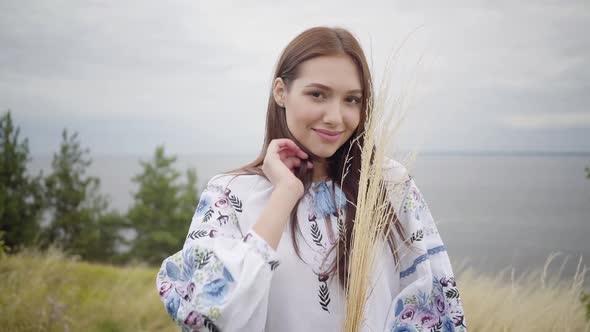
{"x":320,"y":170}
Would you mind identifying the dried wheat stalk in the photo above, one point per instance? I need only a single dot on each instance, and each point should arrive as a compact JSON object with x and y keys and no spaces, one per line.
{"x":372,"y":215}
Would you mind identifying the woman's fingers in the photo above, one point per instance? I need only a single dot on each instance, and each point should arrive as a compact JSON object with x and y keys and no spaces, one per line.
{"x":289,"y":153}
{"x":285,"y":153}
{"x":292,"y":162}
{"x":296,"y":162}
{"x":293,"y":151}
{"x":285,"y":144}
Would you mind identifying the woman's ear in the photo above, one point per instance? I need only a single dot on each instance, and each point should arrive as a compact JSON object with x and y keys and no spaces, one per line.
{"x":278,"y":91}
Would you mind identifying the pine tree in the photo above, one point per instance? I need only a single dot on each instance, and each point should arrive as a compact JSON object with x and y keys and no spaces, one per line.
{"x":21,"y":196}
{"x":80,"y":223}
{"x":162,"y":208}
{"x":189,"y":195}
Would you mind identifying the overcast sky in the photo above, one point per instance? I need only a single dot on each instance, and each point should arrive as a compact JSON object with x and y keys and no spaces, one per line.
{"x":195,"y":76}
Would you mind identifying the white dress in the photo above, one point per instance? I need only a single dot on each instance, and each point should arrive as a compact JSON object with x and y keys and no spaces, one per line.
{"x":227,"y":277}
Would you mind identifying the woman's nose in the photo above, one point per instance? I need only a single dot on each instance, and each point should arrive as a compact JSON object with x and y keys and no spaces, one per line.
{"x":333,"y":113}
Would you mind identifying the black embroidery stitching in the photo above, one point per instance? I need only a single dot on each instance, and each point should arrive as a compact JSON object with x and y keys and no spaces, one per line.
{"x":340,"y":224}
{"x":223,"y":218}
{"x":208,"y":215}
{"x":236,"y":203}
{"x":324,"y":292}
{"x":317,"y":235}
{"x":452,"y":293}
{"x":197,"y":234}
{"x":208,"y":323}
{"x":202,"y":258}
{"x":273,"y":265}
{"x":417,"y":236}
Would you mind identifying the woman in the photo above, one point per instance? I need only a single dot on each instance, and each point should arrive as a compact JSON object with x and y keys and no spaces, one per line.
{"x":267,"y":246}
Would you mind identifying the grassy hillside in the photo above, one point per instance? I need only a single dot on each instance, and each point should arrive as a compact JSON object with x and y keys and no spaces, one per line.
{"x":533,"y":301}
{"x":49,"y":292}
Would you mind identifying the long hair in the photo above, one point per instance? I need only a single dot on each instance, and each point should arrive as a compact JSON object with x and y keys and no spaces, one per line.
{"x":311,"y":43}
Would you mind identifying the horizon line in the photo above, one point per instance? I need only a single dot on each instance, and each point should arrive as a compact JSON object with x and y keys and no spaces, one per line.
{"x":427,"y":152}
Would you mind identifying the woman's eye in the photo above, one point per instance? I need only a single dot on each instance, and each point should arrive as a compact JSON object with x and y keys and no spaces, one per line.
{"x":355,"y":100}
{"x":318,"y":94}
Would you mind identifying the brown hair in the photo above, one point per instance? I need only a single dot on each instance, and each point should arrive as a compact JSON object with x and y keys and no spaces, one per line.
{"x":311,"y":43}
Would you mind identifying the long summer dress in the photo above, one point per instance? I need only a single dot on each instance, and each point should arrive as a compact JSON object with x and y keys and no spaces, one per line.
{"x":228,"y":278}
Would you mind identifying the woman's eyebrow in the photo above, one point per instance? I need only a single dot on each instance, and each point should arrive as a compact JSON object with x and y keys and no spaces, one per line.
{"x":325,"y":87}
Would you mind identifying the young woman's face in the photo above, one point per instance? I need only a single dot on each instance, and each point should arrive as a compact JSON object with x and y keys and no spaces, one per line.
{"x":323,"y":105}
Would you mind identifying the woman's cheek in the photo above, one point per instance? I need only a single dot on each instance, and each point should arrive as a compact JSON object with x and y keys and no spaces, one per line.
{"x":353,"y":119}
{"x":310,"y":113}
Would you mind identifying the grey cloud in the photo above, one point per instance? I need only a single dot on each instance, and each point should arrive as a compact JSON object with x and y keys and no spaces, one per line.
{"x":145,"y":71}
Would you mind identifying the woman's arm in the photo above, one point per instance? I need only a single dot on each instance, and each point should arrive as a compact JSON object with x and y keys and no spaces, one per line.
{"x":428,"y":296}
{"x":220,"y":280}
{"x":275,"y":216}
{"x":282,"y":156}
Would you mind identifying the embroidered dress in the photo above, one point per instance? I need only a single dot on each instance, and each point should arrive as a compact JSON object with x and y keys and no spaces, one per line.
{"x":227,"y":277}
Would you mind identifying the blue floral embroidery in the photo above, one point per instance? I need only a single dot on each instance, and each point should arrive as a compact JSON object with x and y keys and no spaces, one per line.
{"x":177,"y":282}
{"x":204,"y":204}
{"x":448,"y":325}
{"x":227,"y":275}
{"x":398,"y":307}
{"x":323,"y":205}
{"x":439,"y":310}
{"x":404,"y":328}
{"x":421,"y":259}
{"x":215,"y":291}
{"x":193,"y":282}
{"x":172,"y":304}
{"x":172,"y":270}
{"x":414,"y":204}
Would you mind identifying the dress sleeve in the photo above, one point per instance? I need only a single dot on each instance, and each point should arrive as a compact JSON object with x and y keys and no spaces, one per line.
{"x":428,"y":297}
{"x":220,"y":280}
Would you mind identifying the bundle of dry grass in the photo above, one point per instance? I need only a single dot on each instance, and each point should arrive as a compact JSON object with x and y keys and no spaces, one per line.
{"x":533,"y":302}
{"x":373,"y":216}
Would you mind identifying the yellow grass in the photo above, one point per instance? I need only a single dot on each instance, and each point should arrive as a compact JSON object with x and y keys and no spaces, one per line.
{"x":533,"y":301}
{"x":50,"y":292}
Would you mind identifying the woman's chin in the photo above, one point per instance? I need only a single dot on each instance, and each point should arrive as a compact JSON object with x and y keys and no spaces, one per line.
{"x":323,"y":150}
{"x":324,"y":153}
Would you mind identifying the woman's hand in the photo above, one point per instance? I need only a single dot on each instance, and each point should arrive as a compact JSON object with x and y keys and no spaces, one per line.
{"x":282,"y":156}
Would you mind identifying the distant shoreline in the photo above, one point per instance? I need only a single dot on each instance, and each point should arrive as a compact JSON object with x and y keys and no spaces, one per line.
{"x":423,"y":153}
{"x":509,"y":153}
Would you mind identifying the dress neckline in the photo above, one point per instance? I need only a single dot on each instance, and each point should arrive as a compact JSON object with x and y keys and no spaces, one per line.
{"x":327,"y":181}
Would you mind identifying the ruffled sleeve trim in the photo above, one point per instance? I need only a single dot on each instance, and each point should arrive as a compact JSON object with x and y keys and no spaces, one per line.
{"x":259,"y":245}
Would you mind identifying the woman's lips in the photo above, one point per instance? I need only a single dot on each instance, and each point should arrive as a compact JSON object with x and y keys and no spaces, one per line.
{"x":330,"y":136}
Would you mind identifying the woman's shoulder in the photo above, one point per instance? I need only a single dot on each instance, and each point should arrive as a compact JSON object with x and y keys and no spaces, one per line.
{"x":394,"y":171}
{"x":239,"y":182}
{"x":247,"y":193}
